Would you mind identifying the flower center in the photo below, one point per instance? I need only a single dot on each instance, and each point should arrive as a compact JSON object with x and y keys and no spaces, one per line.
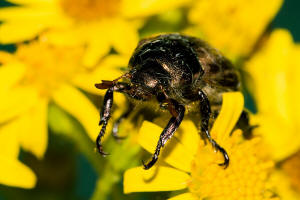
{"x":87,"y":10}
{"x":48,"y":66}
{"x":245,"y":178}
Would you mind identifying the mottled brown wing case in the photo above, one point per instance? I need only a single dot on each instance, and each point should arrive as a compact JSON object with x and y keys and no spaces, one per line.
{"x":219,"y":72}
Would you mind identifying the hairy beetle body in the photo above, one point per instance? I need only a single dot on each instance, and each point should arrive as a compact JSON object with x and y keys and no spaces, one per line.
{"x":179,"y":72}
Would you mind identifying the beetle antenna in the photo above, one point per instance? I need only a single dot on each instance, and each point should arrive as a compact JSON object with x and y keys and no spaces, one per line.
{"x":108,"y":84}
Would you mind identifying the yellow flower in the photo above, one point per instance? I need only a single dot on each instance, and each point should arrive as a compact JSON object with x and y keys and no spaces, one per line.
{"x":39,"y":73}
{"x":98,"y":24}
{"x":232,"y":26}
{"x":275,"y":71}
{"x":291,"y":167}
{"x":186,"y":164}
{"x":12,"y":171}
{"x":283,"y":186}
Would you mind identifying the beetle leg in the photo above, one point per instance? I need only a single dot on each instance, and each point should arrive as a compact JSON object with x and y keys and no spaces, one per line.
{"x":104,"y":117}
{"x":205,"y":112}
{"x":177,"y":112}
{"x":118,"y":122}
{"x":105,"y":113}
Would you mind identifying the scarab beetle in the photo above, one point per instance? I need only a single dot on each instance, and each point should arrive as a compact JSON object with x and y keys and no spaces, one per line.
{"x":179,"y":72}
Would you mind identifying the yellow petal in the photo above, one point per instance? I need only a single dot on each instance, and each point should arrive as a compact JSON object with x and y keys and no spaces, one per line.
{"x":65,"y":36}
{"x":34,"y":129}
{"x":98,"y":44}
{"x":31,"y":2}
{"x":9,"y":139}
{"x":233,"y":26}
{"x":188,"y":135}
{"x":10,"y":74}
{"x":29,"y":21}
{"x":277,"y":133}
{"x":26,"y":30}
{"x":124,"y":46}
{"x":173,"y":153}
{"x":108,"y":69}
{"x":275,"y":70}
{"x":283,"y":185}
{"x":184,"y":196}
{"x":23,"y":14}
{"x":138,"y":8}
{"x":5,"y":57}
{"x":78,"y":105}
{"x":16,"y":102}
{"x":232,"y":107}
{"x":155,"y":179}
{"x":14,"y":173}
{"x":95,"y":51}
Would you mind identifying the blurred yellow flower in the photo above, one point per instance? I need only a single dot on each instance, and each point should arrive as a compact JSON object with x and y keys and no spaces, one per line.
{"x":196,"y":166}
{"x":291,"y":167}
{"x":36,"y":74}
{"x":232,"y":26}
{"x":283,"y":187}
{"x":12,"y":171}
{"x":275,"y":71}
{"x":98,"y":24}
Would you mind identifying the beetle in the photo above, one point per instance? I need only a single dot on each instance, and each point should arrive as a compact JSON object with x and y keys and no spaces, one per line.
{"x":180,"y":72}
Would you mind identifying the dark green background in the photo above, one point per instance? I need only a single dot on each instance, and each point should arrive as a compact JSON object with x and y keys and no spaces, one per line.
{"x":289,"y":17}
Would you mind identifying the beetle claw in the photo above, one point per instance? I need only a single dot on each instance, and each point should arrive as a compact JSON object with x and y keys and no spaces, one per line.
{"x":102,"y":153}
